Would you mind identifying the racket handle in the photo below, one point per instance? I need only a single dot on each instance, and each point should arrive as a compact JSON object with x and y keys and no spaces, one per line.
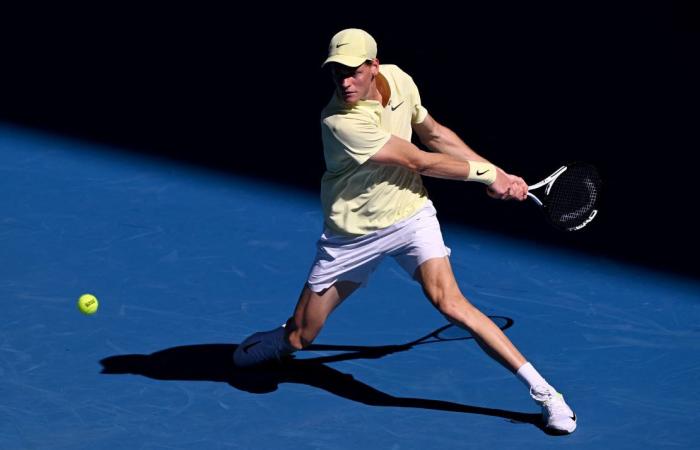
{"x":534,"y":198}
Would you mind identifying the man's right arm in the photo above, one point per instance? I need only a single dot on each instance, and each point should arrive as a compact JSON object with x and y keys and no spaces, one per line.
{"x":400,"y":152}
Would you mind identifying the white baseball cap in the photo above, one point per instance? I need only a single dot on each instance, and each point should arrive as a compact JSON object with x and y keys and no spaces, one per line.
{"x":351,"y":47}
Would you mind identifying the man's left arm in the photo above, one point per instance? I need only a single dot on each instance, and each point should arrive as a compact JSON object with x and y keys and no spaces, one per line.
{"x":439,"y":138}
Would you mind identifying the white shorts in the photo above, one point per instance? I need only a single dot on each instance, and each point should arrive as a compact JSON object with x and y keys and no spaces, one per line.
{"x":411,"y":242}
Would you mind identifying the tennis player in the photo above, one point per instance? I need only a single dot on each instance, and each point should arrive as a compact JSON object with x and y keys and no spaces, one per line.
{"x":375,"y":205}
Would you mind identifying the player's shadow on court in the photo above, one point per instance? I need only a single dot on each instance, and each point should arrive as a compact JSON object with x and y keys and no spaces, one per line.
{"x":213,"y":362}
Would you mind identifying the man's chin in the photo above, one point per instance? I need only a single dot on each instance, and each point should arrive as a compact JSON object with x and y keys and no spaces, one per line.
{"x":350,"y":99}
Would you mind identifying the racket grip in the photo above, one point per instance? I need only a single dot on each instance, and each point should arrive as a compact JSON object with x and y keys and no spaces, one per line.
{"x":534,"y":198}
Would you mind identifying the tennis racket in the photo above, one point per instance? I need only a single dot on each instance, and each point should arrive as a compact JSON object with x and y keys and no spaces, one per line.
{"x":569,"y":197}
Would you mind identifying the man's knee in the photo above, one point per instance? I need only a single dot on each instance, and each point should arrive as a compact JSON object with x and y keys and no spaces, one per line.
{"x":441,"y":288}
{"x":443,"y":292}
{"x":451,"y":304}
{"x":458,"y":310}
{"x":449,"y":300}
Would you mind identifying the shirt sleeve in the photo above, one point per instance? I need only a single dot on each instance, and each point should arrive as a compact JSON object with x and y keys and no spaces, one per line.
{"x":359,"y":139}
{"x":418,"y":113}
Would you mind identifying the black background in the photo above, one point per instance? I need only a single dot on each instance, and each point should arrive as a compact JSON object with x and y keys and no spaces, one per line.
{"x":528,"y":86}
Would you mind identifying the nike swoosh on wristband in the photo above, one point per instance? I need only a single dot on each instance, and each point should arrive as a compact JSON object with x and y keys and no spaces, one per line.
{"x":478,"y":174}
{"x":393,"y":108}
{"x":247,"y":347}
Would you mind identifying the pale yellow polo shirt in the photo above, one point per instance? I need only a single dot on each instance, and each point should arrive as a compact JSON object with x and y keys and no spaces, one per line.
{"x":360,"y":196}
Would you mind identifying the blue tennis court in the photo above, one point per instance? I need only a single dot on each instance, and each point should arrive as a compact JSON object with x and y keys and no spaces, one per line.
{"x":187,"y":262}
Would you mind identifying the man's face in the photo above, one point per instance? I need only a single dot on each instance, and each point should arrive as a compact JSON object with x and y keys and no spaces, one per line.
{"x":353,"y":83}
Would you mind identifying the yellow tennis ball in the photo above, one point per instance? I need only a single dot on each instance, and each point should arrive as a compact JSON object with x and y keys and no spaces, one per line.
{"x":87,"y":304}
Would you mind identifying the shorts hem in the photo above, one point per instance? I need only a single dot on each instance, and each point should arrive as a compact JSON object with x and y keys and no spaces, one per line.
{"x":320,"y":287}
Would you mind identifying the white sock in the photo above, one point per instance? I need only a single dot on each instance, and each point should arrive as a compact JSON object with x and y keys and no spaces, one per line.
{"x":530,"y":376}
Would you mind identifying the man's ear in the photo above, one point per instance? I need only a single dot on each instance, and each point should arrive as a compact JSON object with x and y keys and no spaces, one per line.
{"x":374,"y":68}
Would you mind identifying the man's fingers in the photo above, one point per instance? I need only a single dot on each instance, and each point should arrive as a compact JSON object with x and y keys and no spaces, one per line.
{"x":515,"y":189}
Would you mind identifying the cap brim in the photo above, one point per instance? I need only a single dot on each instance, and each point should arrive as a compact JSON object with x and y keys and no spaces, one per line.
{"x":346,"y":60}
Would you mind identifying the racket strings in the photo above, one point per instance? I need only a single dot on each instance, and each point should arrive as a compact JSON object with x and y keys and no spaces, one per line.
{"x":573,"y":196}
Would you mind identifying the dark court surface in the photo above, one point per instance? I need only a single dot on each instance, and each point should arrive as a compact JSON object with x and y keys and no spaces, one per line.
{"x":187,"y":263}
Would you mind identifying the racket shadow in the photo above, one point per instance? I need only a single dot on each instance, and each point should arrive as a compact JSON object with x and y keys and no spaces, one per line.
{"x":213,"y":362}
{"x":443,"y":334}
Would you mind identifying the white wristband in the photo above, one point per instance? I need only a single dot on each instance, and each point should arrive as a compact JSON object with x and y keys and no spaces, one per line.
{"x":481,"y":172}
